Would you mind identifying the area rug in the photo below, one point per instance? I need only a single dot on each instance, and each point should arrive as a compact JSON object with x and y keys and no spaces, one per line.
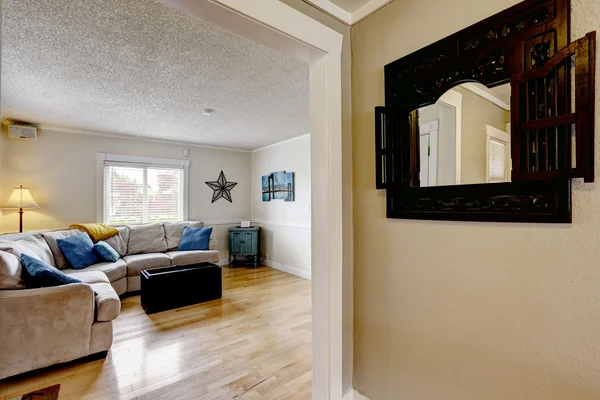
{"x":49,"y":393}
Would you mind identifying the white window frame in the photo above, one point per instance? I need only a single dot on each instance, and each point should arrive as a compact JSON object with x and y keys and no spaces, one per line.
{"x":103,"y":158}
{"x":495,"y":133}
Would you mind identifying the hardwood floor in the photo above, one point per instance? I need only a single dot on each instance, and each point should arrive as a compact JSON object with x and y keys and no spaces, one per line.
{"x":254,"y":343}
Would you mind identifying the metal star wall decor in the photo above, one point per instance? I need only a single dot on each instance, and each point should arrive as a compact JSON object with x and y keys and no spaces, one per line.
{"x":222,"y":188}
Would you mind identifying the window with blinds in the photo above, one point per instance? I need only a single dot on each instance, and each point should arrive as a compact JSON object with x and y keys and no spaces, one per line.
{"x":137,"y":193}
{"x":497,"y":156}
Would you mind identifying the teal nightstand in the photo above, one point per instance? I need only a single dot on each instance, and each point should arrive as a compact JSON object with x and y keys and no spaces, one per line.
{"x":244,"y":242}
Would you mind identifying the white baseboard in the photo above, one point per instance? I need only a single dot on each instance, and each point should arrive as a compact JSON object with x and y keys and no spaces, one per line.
{"x":353,"y":395}
{"x":232,"y":222}
{"x":286,"y":268}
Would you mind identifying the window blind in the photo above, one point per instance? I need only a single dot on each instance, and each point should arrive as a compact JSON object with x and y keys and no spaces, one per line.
{"x":497,"y":160}
{"x":138,"y":193}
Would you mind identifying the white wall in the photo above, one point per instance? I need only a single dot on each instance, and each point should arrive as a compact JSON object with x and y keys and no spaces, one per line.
{"x":60,"y":170}
{"x":285,"y":225}
{"x":462,"y":310}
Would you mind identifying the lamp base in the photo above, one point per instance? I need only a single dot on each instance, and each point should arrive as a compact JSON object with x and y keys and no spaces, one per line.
{"x":20,"y":220}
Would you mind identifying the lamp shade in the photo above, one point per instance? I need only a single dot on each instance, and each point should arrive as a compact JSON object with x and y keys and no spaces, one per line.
{"x":21,"y":198}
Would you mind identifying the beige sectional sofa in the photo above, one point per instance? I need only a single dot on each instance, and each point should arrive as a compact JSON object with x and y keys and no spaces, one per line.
{"x":46,"y":326}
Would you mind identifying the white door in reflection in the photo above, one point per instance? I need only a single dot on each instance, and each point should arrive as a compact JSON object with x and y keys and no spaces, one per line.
{"x":429,"y":153}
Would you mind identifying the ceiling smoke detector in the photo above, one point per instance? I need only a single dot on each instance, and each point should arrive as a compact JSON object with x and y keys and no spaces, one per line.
{"x":208,"y":111}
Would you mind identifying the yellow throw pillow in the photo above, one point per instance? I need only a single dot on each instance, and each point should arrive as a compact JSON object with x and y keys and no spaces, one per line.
{"x":97,"y":231}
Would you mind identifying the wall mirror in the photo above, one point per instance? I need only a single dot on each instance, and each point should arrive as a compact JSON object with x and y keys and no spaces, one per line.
{"x":464,"y":138}
{"x":492,"y":122}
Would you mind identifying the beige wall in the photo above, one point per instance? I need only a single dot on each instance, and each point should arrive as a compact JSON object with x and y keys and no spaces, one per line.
{"x":476,"y":114}
{"x":285,"y":225}
{"x":60,"y":169}
{"x":456,"y":310}
{"x":347,"y":122}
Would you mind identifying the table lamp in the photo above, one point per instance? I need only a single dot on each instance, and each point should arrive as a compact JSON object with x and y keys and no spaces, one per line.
{"x":21,"y":198}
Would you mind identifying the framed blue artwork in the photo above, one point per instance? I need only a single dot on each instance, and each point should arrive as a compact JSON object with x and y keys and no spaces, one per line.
{"x":278,"y":186}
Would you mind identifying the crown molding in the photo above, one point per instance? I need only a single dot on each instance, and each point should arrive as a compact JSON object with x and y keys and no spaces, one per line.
{"x":352,"y":394}
{"x":335,"y":11}
{"x":280,"y":143}
{"x":349,"y":18}
{"x":486,"y":95}
{"x":367,"y":10}
{"x":54,"y":128}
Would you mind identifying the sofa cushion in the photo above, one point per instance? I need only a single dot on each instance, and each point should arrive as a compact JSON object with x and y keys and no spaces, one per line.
{"x":32,"y":245}
{"x":113,"y":271}
{"x":119,"y":242}
{"x":174,"y":231}
{"x":136,"y":263}
{"x":89,"y":277}
{"x":44,"y":275}
{"x":106,"y":252}
{"x":60,"y":260}
{"x":11,"y":272}
{"x":108,"y":304}
{"x":79,"y":250}
{"x":193,"y":257}
{"x":147,"y":238}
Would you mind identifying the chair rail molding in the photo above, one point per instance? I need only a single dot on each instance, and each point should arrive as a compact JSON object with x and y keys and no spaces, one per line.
{"x":223,"y":222}
{"x":285,"y":224}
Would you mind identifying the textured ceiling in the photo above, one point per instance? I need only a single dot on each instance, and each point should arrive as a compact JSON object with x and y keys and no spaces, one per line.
{"x":140,"y":68}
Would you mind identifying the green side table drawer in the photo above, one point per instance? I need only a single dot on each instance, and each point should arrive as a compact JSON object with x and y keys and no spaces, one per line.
{"x":244,"y":242}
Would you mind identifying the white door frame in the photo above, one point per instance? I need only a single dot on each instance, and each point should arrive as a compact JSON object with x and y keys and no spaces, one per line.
{"x":279,"y":26}
{"x":431,"y":129}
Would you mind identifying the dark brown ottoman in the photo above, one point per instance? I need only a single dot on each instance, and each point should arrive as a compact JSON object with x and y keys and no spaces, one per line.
{"x":173,"y":287}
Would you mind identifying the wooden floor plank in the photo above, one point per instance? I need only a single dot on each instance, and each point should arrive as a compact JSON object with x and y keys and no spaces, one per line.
{"x":254,"y":343}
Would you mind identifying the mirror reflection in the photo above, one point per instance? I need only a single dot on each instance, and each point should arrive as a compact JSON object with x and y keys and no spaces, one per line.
{"x":465,"y":136}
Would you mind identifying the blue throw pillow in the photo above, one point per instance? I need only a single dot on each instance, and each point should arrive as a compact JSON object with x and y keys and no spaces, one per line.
{"x":195,"y":238}
{"x":106,"y":252}
{"x":79,"y":250}
{"x":43,"y":274}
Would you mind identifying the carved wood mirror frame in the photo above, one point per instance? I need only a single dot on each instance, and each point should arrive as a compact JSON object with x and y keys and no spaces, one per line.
{"x":526,"y":42}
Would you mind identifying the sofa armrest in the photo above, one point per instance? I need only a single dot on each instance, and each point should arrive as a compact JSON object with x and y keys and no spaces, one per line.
{"x":213,"y":244}
{"x":45,"y":326}
{"x":108,"y":304}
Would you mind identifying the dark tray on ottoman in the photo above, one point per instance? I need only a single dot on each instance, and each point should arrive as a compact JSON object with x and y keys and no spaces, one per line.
{"x":173,"y":287}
